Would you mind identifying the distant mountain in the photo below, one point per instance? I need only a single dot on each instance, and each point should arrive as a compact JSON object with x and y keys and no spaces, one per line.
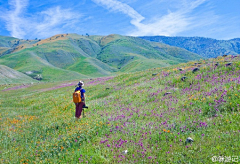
{"x":72,"y":56}
{"x":132,"y":53}
{"x":11,"y":44}
{"x":205,"y":47}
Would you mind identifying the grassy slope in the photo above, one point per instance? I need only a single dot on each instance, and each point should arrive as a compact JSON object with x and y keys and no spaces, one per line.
{"x":6,"y":41}
{"x":6,"y":44}
{"x":120,"y":51}
{"x":133,"y":114}
{"x":8,"y":76}
{"x":11,"y":44}
{"x":27,"y":60}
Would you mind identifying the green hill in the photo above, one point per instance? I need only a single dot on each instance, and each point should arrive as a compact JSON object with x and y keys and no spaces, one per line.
{"x":75,"y":56}
{"x":8,"y":76}
{"x":10,"y":44}
{"x":205,"y":47}
{"x":26,"y":61}
{"x":119,"y":51}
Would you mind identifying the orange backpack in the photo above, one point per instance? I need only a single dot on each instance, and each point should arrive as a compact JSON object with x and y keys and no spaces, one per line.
{"x":77,"y":97}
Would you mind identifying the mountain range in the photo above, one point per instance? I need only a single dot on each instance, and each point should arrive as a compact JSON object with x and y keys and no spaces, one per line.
{"x":205,"y":47}
{"x":73,"y":56}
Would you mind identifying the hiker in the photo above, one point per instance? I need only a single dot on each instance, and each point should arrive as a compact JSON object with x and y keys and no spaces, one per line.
{"x":79,"y":106}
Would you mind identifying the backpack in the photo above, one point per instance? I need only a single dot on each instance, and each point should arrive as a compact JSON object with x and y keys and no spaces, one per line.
{"x":77,"y":97}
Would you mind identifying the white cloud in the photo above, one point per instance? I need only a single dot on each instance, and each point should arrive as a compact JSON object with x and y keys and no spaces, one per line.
{"x":170,"y":24}
{"x":55,"y":20}
{"x":44,"y":24}
{"x":13,"y":18}
{"x":115,"y":5}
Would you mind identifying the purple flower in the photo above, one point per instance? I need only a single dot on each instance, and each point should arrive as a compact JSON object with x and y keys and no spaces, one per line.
{"x":150,"y":157}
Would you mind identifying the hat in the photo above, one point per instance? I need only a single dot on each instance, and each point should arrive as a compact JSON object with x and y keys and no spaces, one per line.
{"x":80,"y":83}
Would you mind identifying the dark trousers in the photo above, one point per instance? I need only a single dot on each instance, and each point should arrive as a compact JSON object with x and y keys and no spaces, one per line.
{"x":79,"y":109}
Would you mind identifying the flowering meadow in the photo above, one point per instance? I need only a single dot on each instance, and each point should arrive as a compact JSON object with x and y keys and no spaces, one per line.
{"x":141,"y":117}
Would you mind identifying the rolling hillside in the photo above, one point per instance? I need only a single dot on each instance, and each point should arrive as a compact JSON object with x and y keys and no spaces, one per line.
{"x":72,"y":56}
{"x":205,"y":47}
{"x":122,"y":52}
{"x":11,"y":44}
{"x":151,"y":116}
{"x":8,"y":76}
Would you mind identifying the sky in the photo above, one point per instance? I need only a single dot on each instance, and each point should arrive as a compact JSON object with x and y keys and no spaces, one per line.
{"x":30,"y":19}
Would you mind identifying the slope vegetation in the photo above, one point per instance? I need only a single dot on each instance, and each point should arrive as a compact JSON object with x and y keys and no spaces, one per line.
{"x":8,"y":76}
{"x":143,"y":117}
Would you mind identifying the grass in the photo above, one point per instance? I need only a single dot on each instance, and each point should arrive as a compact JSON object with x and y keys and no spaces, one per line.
{"x":127,"y":112}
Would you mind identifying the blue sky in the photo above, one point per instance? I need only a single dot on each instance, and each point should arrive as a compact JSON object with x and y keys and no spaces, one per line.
{"x":30,"y":19}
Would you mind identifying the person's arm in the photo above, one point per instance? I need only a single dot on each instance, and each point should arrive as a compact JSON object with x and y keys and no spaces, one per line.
{"x":83,"y":97}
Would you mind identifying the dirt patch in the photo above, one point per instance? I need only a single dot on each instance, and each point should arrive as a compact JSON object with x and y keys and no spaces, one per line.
{"x":52,"y":39}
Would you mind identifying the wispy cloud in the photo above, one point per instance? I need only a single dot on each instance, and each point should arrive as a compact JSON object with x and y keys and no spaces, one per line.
{"x":172,"y":23}
{"x":118,"y":6}
{"x":56,"y":19}
{"x":44,"y":24}
{"x":14,"y":19}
